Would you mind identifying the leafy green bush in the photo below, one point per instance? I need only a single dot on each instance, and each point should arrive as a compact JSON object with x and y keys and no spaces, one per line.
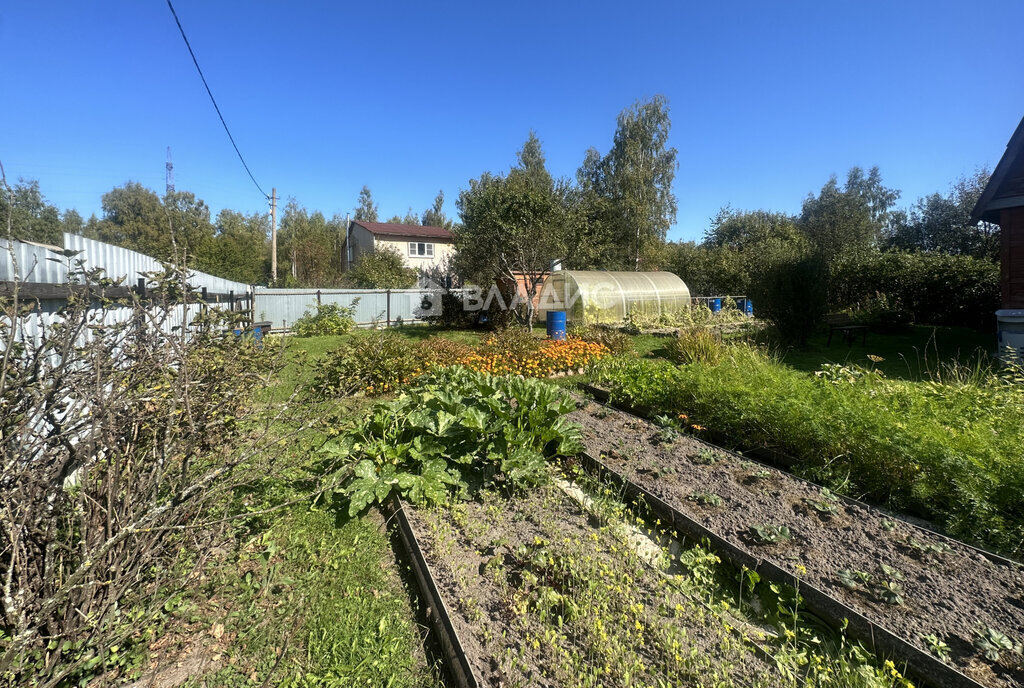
{"x":452,"y":313}
{"x":514,"y":341}
{"x":695,"y":345}
{"x":383,"y":269}
{"x":950,"y":452}
{"x":329,"y":319}
{"x":440,"y":351}
{"x":375,"y":363}
{"x":938,"y":289}
{"x":454,"y":426}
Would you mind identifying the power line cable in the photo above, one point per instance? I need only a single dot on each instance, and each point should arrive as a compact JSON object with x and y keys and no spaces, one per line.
{"x":213,"y":100}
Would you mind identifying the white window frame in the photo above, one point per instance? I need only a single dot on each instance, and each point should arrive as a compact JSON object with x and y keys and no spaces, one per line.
{"x":414,"y":249}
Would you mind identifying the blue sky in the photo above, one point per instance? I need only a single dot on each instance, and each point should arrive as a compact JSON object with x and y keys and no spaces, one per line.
{"x":768,"y":98}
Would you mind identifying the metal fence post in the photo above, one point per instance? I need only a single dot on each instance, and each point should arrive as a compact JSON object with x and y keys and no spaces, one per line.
{"x":317,"y":297}
{"x":389,"y":306}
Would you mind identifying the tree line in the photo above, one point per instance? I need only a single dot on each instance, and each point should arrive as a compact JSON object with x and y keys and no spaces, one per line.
{"x":178,"y":226}
{"x":614,"y":214}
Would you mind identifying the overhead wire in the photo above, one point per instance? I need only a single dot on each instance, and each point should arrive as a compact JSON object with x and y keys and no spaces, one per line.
{"x":214,"y":100}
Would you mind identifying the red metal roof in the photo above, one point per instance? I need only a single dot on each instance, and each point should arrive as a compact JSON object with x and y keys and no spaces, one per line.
{"x":419,"y":231}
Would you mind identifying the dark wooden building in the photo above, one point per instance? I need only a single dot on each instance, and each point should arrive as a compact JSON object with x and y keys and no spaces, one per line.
{"x":1002,"y":203}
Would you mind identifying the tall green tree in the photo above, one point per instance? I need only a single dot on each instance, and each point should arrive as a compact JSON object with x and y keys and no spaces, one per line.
{"x":242,"y":250}
{"x":72,"y":222}
{"x":311,"y":247}
{"x":533,"y":162}
{"x":640,"y":169}
{"x":434,"y":215}
{"x":942,"y":223}
{"x":134,"y":218}
{"x":630,"y":189}
{"x":366,"y":209}
{"x":191,"y":230}
{"x":33,"y":218}
{"x":513,"y":228}
{"x":600,"y":246}
{"x":747,"y":230}
{"x":842,"y":220}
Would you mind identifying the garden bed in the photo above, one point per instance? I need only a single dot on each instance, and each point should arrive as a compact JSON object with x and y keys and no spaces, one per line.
{"x":541,"y":591}
{"x":924,"y":587}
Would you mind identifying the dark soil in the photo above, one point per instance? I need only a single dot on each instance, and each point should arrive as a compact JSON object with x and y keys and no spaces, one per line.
{"x":950,"y":593}
{"x":541,"y":594}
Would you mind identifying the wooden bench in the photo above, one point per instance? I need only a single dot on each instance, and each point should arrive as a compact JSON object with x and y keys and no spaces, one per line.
{"x":843,"y":322}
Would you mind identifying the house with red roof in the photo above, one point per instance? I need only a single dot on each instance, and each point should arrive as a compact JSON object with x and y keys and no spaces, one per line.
{"x":427,"y":249}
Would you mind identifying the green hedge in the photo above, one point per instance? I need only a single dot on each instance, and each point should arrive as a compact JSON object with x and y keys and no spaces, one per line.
{"x":936,"y":288}
{"x":949,"y":453}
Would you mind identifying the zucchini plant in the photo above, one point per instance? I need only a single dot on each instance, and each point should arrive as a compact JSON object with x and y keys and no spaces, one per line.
{"x":453,"y":428}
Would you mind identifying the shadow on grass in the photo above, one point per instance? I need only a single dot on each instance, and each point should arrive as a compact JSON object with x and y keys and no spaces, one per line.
{"x":919,"y":353}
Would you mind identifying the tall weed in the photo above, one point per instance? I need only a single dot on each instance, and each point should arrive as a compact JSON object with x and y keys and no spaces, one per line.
{"x":695,"y":345}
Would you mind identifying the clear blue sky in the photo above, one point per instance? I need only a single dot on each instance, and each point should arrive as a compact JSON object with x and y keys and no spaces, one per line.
{"x":768,"y":98}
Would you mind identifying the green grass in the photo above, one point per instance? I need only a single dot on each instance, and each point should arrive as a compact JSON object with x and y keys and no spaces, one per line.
{"x":306,"y":596}
{"x":323,"y":590}
{"x":915,"y":355}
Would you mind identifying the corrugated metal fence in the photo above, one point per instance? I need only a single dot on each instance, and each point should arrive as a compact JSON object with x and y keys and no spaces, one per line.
{"x":41,"y":264}
{"x":282,"y":307}
{"x":38,"y":264}
{"x":33,"y":263}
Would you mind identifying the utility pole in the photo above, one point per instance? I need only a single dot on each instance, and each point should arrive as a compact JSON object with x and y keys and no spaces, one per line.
{"x":273,"y":236}
{"x":348,"y":242}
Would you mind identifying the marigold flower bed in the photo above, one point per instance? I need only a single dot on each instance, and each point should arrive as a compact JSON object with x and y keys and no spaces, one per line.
{"x":551,"y":357}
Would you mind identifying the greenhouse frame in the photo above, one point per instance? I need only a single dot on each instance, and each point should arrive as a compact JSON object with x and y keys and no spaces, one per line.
{"x":605,"y":296}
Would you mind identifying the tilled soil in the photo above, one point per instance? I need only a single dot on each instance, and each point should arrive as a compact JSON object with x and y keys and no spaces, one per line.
{"x":541,"y":594}
{"x":948,"y":589}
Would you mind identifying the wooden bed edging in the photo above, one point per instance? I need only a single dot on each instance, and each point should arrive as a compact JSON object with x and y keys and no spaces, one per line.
{"x":456,"y":663}
{"x":880,"y":639}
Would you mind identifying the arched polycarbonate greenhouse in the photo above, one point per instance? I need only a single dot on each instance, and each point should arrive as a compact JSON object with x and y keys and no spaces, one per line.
{"x":600,"y":296}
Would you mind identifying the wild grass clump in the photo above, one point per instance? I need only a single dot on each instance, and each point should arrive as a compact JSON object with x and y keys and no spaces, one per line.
{"x":947,"y":450}
{"x":695,"y":345}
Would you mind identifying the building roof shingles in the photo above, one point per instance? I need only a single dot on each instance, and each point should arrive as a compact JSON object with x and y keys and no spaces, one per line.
{"x":418,"y":231}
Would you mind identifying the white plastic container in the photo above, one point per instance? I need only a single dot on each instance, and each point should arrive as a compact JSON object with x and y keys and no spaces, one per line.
{"x":1010,"y":326}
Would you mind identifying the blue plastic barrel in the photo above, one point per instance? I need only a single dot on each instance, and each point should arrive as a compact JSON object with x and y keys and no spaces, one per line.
{"x":556,"y":324}
{"x":745,"y":306}
{"x":716,"y":305}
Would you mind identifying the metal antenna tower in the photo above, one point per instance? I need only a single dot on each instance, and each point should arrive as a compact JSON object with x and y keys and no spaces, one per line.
{"x":169,"y":173}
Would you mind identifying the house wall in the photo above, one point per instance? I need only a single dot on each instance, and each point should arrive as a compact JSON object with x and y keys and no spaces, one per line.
{"x":1011,"y":224}
{"x":362,"y":242}
{"x":443,"y":250}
